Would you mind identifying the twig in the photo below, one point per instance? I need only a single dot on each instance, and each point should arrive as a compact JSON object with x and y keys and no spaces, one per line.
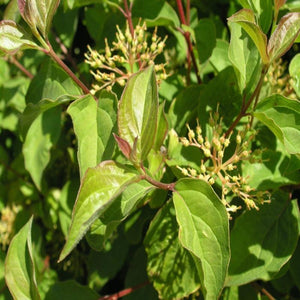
{"x":263,"y":290}
{"x":57,"y":59}
{"x":188,"y":39}
{"x":124,"y":292}
{"x":14,"y":61}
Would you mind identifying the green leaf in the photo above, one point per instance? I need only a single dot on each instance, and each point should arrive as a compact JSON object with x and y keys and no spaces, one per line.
{"x":284,"y":35}
{"x":93,"y":127}
{"x":13,"y":38}
{"x":51,"y":82}
{"x":138,"y":112}
{"x":70,"y":290}
{"x":204,"y":231}
{"x":156,"y":13}
{"x":38,"y":13}
{"x":99,"y":188}
{"x":263,"y":241}
{"x":19,"y":266}
{"x":295,"y":265}
{"x":41,"y":136}
{"x":162,"y":128}
{"x":245,"y":58}
{"x":282,"y":116}
{"x":246,"y":19}
{"x":294,"y":70}
{"x":205,"y":33}
{"x":171,"y":268}
{"x":32,"y":111}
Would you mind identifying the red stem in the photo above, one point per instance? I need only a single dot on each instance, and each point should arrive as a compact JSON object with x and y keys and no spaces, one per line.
{"x":57,"y":59}
{"x":13,"y":60}
{"x":124,"y":292}
{"x":188,"y":39}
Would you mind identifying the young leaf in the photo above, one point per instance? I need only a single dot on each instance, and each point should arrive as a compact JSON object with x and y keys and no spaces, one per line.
{"x":170,"y":266}
{"x":284,"y":35}
{"x":282,"y":116}
{"x":138,"y":112}
{"x":99,"y":188}
{"x":263,"y":241}
{"x":19,"y":266}
{"x":93,"y":127}
{"x":246,"y":19}
{"x":12,"y":38}
{"x":204,"y":231}
{"x":38,"y":13}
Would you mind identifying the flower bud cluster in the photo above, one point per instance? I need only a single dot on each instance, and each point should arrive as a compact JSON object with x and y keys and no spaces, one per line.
{"x":280,"y":82}
{"x":220,"y":165}
{"x":8,"y":215}
{"x":129,"y":52}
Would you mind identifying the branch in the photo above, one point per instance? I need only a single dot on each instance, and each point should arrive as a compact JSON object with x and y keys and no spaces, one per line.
{"x":57,"y":59}
{"x":14,"y":61}
{"x":188,"y":39}
{"x":124,"y":292}
{"x":263,"y":290}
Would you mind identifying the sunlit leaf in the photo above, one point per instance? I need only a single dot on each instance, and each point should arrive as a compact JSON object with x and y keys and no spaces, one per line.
{"x":246,"y":19}
{"x":284,"y":35}
{"x":294,"y":70}
{"x":138,"y":112}
{"x":38,"y":13}
{"x":98,"y":144}
{"x":99,"y":188}
{"x":13,"y":38}
{"x":282,"y":116}
{"x":204,"y":231}
{"x":19,"y":266}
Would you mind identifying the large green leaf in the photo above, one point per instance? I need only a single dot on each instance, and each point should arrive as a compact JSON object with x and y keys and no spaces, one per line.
{"x":13,"y":38}
{"x":41,"y":136}
{"x":282,"y":116}
{"x":205,"y":33}
{"x":284,"y":35}
{"x":51,"y":82}
{"x":245,"y":58}
{"x":263,"y":241}
{"x":170,"y":266}
{"x":19,"y":266}
{"x":93,"y":127}
{"x":204,"y":231}
{"x":294,"y":70}
{"x":138,"y":112}
{"x":38,"y":13}
{"x":246,"y":19}
{"x":32,"y":111}
{"x":99,"y":188}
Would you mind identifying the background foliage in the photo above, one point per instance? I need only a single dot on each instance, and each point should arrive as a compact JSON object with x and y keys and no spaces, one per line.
{"x":181,"y":180}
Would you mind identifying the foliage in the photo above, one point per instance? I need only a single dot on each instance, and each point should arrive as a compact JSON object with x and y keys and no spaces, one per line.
{"x":149,"y":149}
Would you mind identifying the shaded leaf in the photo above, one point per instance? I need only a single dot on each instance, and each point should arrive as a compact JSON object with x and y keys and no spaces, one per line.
{"x":93,"y":127}
{"x":19,"y":266}
{"x":204,"y":231}
{"x":32,"y":111}
{"x":284,"y":35}
{"x":13,"y":38}
{"x":171,"y":268}
{"x":41,"y":136}
{"x":205,"y":33}
{"x":138,"y":112}
{"x":99,"y":188}
{"x":263,"y":241}
{"x":282,"y":116}
{"x":246,"y":19}
{"x":162,"y":128}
